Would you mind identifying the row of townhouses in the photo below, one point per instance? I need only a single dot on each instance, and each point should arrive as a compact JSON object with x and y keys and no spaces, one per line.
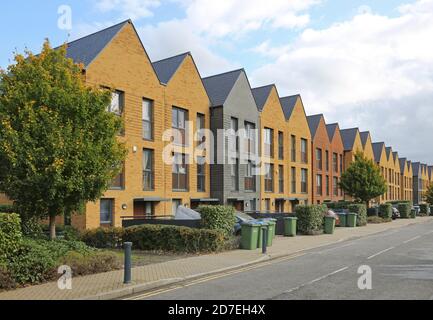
{"x":282,"y":159}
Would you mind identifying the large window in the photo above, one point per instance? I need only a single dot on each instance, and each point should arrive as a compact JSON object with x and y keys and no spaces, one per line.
{"x":234,"y":142}
{"x":280,"y":145}
{"x":117,"y":105}
{"x":269,"y":177}
{"x":119,"y":181}
{"x":250,"y":179}
{"x":250,"y":131}
{"x":293,"y":149}
{"x":106,"y":211}
{"x":179,"y":119}
{"x":335,"y":187}
{"x":235,"y":175}
{"x":269,"y":142}
{"x":147,"y":119}
{"x":148,"y":170}
{"x":319,"y":159}
{"x":335,"y":162}
{"x":341,"y":163}
{"x":327,"y":160}
{"x":304,"y":151}
{"x":293,"y":179}
{"x":201,"y":174}
{"x":180,"y":173}
{"x":201,"y":137}
{"x":281,"y":179}
{"x":319,"y":184}
{"x":304,"y":180}
{"x":327,"y":186}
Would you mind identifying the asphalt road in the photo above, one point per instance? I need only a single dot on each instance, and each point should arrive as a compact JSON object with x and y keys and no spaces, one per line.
{"x":400,"y":260}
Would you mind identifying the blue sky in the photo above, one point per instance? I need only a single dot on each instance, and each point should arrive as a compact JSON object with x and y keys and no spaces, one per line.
{"x":355,"y":61}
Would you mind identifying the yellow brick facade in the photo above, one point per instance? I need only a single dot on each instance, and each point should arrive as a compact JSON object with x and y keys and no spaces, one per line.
{"x":406,"y":182}
{"x":368,"y":149}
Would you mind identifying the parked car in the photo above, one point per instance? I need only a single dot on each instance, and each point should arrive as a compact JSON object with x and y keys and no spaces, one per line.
{"x":241,"y":218}
{"x":417,"y":209}
{"x":395,"y":213}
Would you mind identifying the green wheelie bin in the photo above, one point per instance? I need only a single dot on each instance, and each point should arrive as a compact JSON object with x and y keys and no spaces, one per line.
{"x":413,"y":214}
{"x":260,"y":237}
{"x":351,"y":220}
{"x":290,"y":224}
{"x":329,"y":225}
{"x":249,"y":235}
{"x":343,"y":219}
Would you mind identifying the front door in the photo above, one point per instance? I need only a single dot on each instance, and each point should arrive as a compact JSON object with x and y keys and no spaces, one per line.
{"x":176,"y":203}
{"x":279,"y":206}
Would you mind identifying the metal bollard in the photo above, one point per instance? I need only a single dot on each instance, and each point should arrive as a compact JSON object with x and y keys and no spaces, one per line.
{"x":128,"y":262}
{"x":264,"y":240}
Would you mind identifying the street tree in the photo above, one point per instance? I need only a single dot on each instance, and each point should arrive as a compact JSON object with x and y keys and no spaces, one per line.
{"x":363,"y":180}
{"x":58,"y":144}
{"x":429,"y":195}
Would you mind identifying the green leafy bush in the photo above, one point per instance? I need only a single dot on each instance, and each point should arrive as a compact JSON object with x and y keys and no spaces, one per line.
{"x":338,"y":205}
{"x":84,"y":264}
{"x":104,"y":237}
{"x":7,"y":282}
{"x":361,"y":211}
{"x":405,"y":210}
{"x":32,"y":228}
{"x":10,"y":235}
{"x":385,"y":211}
{"x":220,"y":218}
{"x":310,"y":218}
{"x":424,"y":210}
{"x":7,"y":208}
{"x":33,"y":263}
{"x":71,"y":233}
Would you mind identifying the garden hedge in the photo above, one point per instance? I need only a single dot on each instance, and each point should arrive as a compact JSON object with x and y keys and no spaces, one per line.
{"x":7,"y":208}
{"x":405,"y":209}
{"x":10,"y":235}
{"x":385,"y":211}
{"x":310,"y":218}
{"x":220,"y":218}
{"x":361,"y":211}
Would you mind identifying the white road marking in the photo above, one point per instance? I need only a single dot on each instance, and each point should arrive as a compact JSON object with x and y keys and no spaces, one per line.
{"x":379,"y":253}
{"x":316,"y":280}
{"x":413,"y":239}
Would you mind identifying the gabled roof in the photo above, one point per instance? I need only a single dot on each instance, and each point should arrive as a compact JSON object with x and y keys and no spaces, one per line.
{"x":86,"y":49}
{"x":377,"y":150}
{"x":403,"y":164}
{"x":261,"y":95}
{"x":388,"y":152}
{"x":166,"y":68}
{"x":332,"y":129}
{"x":395,"y":155}
{"x":349,"y":137}
{"x":416,"y":167}
{"x":430,"y":171}
{"x":288,"y":104}
{"x":364,"y":137}
{"x":219,"y":86}
{"x":313,"y":123}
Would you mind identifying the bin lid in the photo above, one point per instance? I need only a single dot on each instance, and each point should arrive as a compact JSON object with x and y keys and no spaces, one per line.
{"x":290,"y":218}
{"x":352,"y":214}
{"x":262,"y":222}
{"x":251,"y":223}
{"x":342,"y":213}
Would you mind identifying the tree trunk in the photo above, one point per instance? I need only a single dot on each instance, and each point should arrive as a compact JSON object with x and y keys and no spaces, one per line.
{"x":53,"y":226}
{"x":367,"y":204}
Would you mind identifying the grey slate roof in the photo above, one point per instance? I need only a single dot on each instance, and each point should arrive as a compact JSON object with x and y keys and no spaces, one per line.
{"x":331,"y":128}
{"x":377,"y":150}
{"x":430,"y":171}
{"x":395,"y":155}
{"x":86,"y":49}
{"x":288,"y":104}
{"x":313,"y":123}
{"x":416,"y":166}
{"x":349,"y":136}
{"x":388,"y":152}
{"x":261,"y":95}
{"x":403,"y":164}
{"x":166,"y":68}
{"x":364,"y":137}
{"x":219,"y":86}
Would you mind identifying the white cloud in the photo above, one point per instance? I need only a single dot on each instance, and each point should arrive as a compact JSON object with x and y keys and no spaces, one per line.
{"x":134,"y":9}
{"x":372,"y":71}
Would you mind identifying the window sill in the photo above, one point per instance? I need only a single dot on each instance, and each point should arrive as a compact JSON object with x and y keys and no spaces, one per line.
{"x":180,"y":190}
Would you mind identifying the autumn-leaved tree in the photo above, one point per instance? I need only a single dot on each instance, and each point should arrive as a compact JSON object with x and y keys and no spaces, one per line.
{"x":363,"y":180}
{"x":429,"y":195}
{"x":58,"y":144}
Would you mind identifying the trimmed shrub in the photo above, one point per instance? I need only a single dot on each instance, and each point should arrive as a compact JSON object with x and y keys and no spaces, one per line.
{"x":71,"y":233}
{"x":361,"y":211}
{"x":7,"y":208}
{"x":10,"y":235}
{"x":338,"y":205}
{"x":424,"y":210}
{"x":32,"y":264}
{"x":220,"y":218}
{"x":310,"y":218}
{"x":174,"y":239}
{"x":404,"y":209}
{"x":32,"y":228}
{"x":84,"y":264}
{"x":104,"y":238}
{"x":385,"y":211}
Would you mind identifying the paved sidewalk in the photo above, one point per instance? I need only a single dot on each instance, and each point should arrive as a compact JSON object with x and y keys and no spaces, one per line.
{"x":110,"y":285}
